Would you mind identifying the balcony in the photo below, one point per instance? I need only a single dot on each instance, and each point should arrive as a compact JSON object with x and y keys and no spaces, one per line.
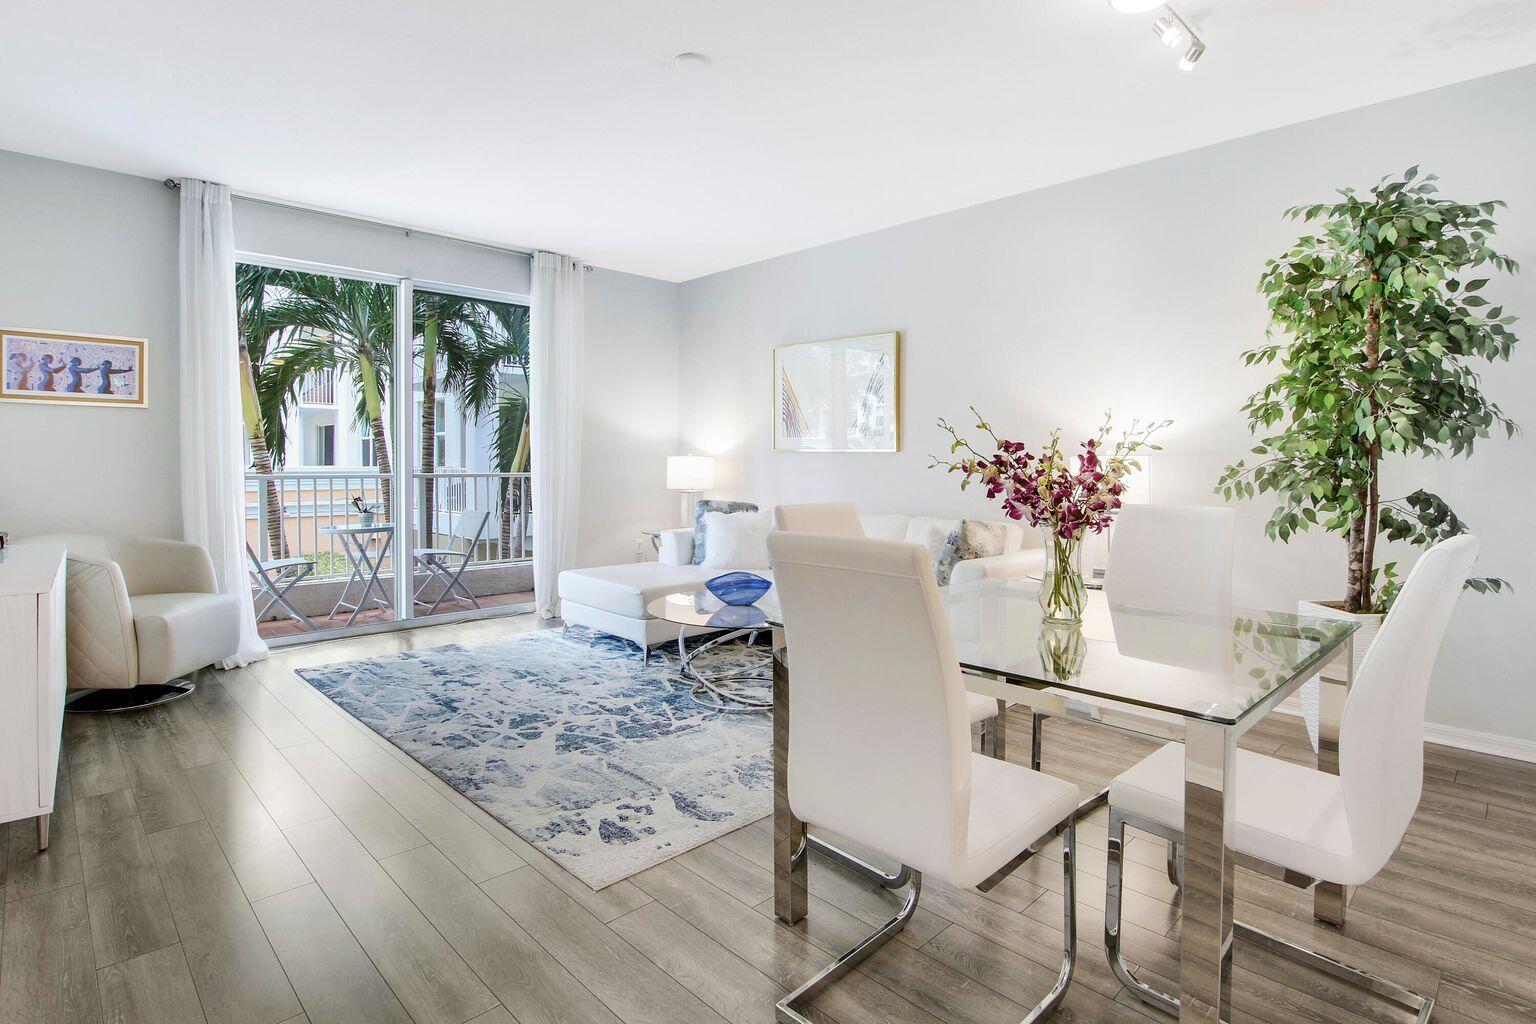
{"x":288,"y":515}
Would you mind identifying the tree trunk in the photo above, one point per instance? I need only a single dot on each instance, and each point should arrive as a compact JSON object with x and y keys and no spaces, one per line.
{"x":1371,"y":499}
{"x":429,"y":435}
{"x":381,"y":461}
{"x":261,"y":457}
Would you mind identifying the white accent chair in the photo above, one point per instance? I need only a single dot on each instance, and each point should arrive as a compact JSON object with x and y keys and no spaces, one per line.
{"x":841,"y":519}
{"x":1305,"y":825}
{"x":1165,"y":554}
{"x":868,"y":642}
{"x":141,"y":614}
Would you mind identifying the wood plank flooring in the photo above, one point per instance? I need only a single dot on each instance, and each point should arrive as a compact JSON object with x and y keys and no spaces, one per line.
{"x":252,"y":855}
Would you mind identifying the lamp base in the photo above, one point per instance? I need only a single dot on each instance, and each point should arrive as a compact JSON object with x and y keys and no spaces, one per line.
{"x":690,"y":498}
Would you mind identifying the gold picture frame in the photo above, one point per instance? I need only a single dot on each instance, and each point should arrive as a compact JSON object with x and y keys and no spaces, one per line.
{"x":63,"y":368}
{"x":839,"y":395}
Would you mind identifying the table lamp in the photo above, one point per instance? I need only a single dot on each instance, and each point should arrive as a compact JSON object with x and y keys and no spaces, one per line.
{"x":691,"y":474}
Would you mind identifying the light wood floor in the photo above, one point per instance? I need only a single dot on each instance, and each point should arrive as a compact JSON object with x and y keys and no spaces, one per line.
{"x":253,"y":856}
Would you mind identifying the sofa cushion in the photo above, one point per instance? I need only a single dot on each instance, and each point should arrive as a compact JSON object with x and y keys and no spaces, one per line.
{"x":738,"y":540}
{"x":885,"y":527}
{"x":969,"y":539}
{"x":931,"y":533}
{"x":181,"y":633}
{"x":627,"y":588}
{"x":700,"y":534}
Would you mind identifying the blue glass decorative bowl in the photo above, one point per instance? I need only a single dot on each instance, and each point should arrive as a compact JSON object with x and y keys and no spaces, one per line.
{"x":738,"y":588}
{"x":738,"y":617}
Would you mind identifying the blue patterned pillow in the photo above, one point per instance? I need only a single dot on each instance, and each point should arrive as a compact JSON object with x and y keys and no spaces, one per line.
{"x":710,"y":505}
{"x":969,"y":539}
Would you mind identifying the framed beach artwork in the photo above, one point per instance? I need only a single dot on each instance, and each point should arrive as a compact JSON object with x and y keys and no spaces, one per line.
{"x":73,"y":369}
{"x":842,"y":395}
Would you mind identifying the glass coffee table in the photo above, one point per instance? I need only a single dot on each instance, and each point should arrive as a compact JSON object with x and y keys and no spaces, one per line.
{"x":735,"y":690}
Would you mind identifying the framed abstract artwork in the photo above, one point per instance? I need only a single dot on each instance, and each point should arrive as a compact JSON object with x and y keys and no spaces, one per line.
{"x":842,"y":395}
{"x":73,"y":369}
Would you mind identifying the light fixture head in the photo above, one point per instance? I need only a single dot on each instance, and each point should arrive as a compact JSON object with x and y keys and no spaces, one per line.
{"x":1169,"y":29}
{"x":691,"y":61}
{"x":690,"y":472}
{"x":1136,"y":6}
{"x":1192,"y":56}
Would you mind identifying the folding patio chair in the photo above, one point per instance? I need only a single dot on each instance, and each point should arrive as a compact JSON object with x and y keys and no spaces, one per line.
{"x":447,"y":565}
{"x":273,"y":581}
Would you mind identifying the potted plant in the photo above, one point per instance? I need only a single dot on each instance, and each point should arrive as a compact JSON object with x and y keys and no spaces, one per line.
{"x":366,"y":510}
{"x":1067,"y":497}
{"x":1382,"y":315}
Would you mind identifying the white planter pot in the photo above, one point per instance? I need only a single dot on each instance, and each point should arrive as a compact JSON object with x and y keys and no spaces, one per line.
{"x":1311,"y":691}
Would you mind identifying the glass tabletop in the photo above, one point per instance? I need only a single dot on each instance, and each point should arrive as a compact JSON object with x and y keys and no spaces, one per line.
{"x":1213,"y":663}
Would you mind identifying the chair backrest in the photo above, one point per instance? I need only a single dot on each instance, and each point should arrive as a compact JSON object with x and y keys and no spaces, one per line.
{"x":835,"y":518}
{"x":1381,"y":738}
{"x":1171,"y":554}
{"x":469,"y":525}
{"x":879,"y":737}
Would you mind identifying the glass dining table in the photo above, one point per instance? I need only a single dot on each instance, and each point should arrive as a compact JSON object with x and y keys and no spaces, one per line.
{"x":1203,"y":675}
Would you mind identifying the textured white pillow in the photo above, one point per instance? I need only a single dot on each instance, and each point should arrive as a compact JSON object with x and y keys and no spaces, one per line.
{"x":737,"y":540}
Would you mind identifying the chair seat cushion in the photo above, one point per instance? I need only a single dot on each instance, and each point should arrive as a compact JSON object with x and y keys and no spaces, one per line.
{"x":181,"y":633}
{"x":1011,"y":808}
{"x":626,"y":589}
{"x":980,"y":708}
{"x":1286,"y":814}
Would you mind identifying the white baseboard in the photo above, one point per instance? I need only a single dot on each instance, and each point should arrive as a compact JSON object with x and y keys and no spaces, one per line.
{"x":1451,"y":736}
{"x":1482,"y":742}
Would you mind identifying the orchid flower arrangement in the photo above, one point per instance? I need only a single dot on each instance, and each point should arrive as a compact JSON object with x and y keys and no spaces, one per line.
{"x":1070,"y":496}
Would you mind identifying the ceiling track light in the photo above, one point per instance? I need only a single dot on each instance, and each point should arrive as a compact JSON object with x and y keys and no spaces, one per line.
{"x":1169,"y":27}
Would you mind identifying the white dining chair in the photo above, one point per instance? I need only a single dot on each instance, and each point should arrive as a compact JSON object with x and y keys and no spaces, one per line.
{"x":1164,"y":555}
{"x":1307,"y":826}
{"x":879,"y":746}
{"x":841,"y":519}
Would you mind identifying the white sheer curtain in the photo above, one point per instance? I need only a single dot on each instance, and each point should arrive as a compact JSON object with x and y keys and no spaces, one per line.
{"x":555,"y":357}
{"x":212,"y":452}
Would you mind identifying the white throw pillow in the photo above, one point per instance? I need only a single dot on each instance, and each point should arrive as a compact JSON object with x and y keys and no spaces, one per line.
{"x":737,"y":540}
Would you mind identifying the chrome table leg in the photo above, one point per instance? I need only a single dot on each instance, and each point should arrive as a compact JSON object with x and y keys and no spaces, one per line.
{"x":789,"y":835}
{"x":1329,"y":898}
{"x":1205,"y":945}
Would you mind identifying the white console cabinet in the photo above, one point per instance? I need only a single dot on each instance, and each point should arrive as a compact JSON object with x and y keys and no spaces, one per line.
{"x":31,"y":681}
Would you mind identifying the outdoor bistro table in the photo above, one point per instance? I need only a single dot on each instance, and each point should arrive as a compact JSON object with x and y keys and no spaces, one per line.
{"x":1205,"y":675}
{"x":356,"y":542}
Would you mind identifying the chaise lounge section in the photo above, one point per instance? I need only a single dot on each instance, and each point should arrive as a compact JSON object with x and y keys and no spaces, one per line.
{"x":612,"y":598}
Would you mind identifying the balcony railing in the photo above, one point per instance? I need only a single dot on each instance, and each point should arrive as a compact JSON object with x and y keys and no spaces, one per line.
{"x":287,"y":513}
{"x":318,"y":388}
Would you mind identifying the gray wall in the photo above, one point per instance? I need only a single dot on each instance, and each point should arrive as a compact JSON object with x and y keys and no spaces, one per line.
{"x":94,"y":252}
{"x":1135,"y":290}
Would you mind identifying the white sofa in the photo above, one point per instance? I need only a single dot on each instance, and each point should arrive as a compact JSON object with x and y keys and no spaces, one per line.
{"x":612,"y":598}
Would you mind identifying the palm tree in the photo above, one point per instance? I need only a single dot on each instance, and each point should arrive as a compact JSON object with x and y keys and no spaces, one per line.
{"x":445,"y":325}
{"x":508,"y":324}
{"x":341,"y":324}
{"x":258,"y":337}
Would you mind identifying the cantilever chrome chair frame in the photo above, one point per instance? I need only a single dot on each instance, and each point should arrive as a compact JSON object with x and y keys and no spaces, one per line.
{"x":1414,"y":1002}
{"x":788,"y":1009}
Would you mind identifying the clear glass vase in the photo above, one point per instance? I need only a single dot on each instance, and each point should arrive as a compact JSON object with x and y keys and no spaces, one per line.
{"x":1062,"y":592}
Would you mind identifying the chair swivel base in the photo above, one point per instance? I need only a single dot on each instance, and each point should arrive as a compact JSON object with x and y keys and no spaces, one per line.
{"x":132,"y":698}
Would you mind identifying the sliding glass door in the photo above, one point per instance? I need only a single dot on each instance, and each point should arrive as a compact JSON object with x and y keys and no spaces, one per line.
{"x":384,"y":429}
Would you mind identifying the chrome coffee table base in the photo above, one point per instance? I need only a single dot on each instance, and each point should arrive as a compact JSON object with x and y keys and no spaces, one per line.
{"x":717,"y":691}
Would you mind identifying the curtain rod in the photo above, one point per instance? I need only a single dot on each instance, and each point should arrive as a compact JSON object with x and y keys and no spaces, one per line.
{"x":172,"y":183}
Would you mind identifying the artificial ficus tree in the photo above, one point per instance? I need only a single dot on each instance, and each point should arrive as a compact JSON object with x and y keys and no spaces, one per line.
{"x":1383,"y":317}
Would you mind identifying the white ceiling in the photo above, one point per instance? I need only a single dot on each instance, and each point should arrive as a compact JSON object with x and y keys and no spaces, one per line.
{"x":562,"y":124}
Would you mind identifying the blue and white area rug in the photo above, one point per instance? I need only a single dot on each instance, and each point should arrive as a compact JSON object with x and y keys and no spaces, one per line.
{"x":604,"y":763}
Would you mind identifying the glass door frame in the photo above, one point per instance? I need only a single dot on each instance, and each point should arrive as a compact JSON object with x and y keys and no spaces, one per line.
{"x":403,"y":425}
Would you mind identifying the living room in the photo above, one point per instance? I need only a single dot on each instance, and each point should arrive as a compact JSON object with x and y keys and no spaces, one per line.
{"x":411,"y":536}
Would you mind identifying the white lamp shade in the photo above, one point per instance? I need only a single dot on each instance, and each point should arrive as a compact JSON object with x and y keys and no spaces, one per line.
{"x":690,"y":472}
